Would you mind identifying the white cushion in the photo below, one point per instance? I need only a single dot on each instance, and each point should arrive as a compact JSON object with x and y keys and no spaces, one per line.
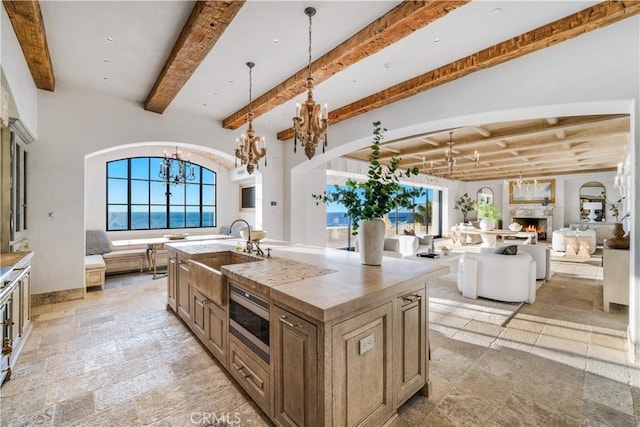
{"x":94,"y":262}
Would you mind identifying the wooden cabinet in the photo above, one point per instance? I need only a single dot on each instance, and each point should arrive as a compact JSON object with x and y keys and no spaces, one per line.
{"x":252,"y":373}
{"x":210,"y":324}
{"x":184,"y":291}
{"x":615,"y":275}
{"x":295,"y":369}
{"x":15,"y":314}
{"x":411,"y":344}
{"x":172,"y":291}
{"x":362,"y":371}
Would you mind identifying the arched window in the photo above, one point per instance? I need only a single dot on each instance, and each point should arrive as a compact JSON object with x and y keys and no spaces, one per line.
{"x":137,"y":199}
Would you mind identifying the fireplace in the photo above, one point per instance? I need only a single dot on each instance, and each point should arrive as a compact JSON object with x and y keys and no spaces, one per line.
{"x":538,"y":219}
{"x":533,"y":225}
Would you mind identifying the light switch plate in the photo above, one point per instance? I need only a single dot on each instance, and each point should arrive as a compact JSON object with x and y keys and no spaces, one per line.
{"x":366,"y":344}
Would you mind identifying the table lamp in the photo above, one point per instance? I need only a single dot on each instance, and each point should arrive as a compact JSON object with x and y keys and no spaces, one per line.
{"x":592,"y":207}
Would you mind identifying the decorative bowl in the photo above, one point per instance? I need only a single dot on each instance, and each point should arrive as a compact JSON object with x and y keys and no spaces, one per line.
{"x":256,"y":235}
{"x":515,"y":226}
{"x":445,"y":250}
{"x":176,"y":236}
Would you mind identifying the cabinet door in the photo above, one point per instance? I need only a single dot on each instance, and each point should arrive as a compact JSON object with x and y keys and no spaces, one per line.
{"x":25,"y":304}
{"x":217,"y":324}
{"x":410,"y":344}
{"x":171,"y":283}
{"x":184,"y":294}
{"x":5,"y":349}
{"x":198,"y":313}
{"x":14,"y":323}
{"x":295,"y":369}
{"x":362,"y":371}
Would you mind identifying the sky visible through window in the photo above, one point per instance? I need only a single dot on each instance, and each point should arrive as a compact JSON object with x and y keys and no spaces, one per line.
{"x":137,"y":199}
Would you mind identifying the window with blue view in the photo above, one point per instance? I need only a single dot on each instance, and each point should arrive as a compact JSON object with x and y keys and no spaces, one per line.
{"x":138,"y":199}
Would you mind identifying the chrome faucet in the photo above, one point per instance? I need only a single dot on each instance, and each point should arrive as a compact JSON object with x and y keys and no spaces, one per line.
{"x":248,"y":248}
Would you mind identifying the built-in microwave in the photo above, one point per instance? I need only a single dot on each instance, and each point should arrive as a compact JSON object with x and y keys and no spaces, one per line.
{"x":249,"y":320}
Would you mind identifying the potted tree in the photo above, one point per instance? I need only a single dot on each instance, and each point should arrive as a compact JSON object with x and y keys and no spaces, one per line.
{"x":464,"y":204}
{"x":488,"y":214}
{"x":368,"y":201}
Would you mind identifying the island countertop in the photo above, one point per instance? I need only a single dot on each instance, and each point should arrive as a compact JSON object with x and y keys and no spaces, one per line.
{"x":323,"y":283}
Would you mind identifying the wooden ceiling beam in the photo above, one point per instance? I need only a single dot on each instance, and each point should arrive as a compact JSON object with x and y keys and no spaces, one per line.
{"x":26,"y":19}
{"x":399,"y":22}
{"x":589,"y":19}
{"x":207,"y":22}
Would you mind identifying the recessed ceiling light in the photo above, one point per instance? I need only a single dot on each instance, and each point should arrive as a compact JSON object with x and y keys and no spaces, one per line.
{"x":104,"y":78}
{"x":106,"y":61}
{"x":354,"y":81}
{"x":436,"y":40}
{"x":110,"y":39}
{"x":215,"y":94}
{"x":276,"y":41}
{"x":204,"y":105}
{"x":388,"y":65}
{"x":497,"y":10}
{"x":230,"y":81}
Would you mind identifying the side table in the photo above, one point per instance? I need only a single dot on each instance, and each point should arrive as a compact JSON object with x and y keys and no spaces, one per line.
{"x":615,"y":263}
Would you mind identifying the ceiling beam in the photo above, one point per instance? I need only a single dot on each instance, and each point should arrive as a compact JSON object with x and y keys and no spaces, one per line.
{"x":589,"y":19}
{"x":399,"y":22}
{"x":204,"y":27}
{"x":26,"y":19}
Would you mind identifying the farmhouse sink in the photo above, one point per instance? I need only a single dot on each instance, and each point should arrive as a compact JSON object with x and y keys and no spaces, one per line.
{"x":205,"y":274}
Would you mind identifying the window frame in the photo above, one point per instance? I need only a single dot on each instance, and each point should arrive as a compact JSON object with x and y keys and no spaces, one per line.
{"x":169,"y":205}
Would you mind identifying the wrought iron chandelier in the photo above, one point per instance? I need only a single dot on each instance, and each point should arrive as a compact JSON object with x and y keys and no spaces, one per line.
{"x":175,"y":170}
{"x":451,"y":160}
{"x":247,"y":146}
{"x":311,"y":120}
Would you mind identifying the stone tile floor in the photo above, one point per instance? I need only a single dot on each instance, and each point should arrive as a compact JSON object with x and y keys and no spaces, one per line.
{"x":119,"y":358}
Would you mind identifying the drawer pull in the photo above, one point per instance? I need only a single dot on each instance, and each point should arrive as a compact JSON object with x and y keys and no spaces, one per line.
{"x":243,"y":373}
{"x":411,"y":298}
{"x":284,"y":320}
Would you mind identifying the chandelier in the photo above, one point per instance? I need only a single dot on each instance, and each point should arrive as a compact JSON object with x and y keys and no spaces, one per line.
{"x":175,"y":170}
{"x":247,"y":149}
{"x":310,"y":122}
{"x":451,"y":160}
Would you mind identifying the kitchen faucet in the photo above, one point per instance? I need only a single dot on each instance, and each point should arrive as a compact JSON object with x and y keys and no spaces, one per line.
{"x":248,"y":248}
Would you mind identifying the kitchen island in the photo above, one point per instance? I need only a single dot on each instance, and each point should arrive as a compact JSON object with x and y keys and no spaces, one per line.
{"x":314,"y":337}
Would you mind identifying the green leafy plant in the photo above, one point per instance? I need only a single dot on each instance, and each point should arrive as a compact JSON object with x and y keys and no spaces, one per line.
{"x":464,"y":204}
{"x":379,"y":194}
{"x":487,"y":210}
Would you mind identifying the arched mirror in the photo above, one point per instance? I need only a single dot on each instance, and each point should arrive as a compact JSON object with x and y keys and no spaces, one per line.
{"x":592,"y":202}
{"x":485,"y":194}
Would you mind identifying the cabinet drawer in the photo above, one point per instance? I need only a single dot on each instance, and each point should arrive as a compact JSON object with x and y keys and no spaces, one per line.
{"x":249,"y":372}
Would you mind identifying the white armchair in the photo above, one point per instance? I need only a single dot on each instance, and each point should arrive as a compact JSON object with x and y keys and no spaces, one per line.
{"x":510,"y":278}
{"x":541,"y":254}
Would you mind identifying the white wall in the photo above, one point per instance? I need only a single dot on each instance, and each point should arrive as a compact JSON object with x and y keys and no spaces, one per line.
{"x":17,"y":78}
{"x":76,"y":122}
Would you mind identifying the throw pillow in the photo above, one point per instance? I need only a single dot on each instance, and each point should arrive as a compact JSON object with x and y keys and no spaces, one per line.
{"x":425,"y":240}
{"x":409,"y":232}
{"x":97,"y":242}
{"x":507,"y":250}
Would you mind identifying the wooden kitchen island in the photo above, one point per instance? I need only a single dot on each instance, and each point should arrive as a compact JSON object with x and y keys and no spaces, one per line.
{"x":346,"y":344}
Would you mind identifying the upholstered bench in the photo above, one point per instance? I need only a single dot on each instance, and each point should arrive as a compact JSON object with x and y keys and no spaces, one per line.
{"x":94,"y":270}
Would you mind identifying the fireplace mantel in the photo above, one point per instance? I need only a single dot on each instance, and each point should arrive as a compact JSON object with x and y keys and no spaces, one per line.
{"x":530,"y":211}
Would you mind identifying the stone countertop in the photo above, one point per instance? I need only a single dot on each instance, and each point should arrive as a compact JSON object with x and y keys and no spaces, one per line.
{"x":320,"y":282}
{"x":9,"y":262}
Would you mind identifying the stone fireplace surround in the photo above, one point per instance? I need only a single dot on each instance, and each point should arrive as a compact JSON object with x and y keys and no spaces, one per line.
{"x":544,"y":215}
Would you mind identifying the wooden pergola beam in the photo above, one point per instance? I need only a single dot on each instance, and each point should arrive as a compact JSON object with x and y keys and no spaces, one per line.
{"x":589,"y":19}
{"x":202,"y":30}
{"x":26,"y":19}
{"x":396,"y":24}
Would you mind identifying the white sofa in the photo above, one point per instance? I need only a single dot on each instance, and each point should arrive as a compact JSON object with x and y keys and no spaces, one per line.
{"x":559,"y":240}
{"x":510,"y":278}
{"x":403,"y":246}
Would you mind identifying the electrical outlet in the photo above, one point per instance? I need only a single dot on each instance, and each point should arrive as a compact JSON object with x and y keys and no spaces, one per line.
{"x":366,"y":344}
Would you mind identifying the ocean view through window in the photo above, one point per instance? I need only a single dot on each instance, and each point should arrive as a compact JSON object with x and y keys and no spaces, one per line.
{"x":138,"y":199}
{"x":424,"y":218}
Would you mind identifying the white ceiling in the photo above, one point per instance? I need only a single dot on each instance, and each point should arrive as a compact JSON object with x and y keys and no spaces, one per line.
{"x":143,"y":34}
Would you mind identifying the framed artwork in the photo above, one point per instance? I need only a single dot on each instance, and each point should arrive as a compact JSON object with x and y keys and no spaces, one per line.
{"x":532,"y":191}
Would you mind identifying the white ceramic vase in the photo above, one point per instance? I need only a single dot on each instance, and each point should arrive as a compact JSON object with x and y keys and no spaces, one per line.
{"x":371,"y":241}
{"x":487,"y":224}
